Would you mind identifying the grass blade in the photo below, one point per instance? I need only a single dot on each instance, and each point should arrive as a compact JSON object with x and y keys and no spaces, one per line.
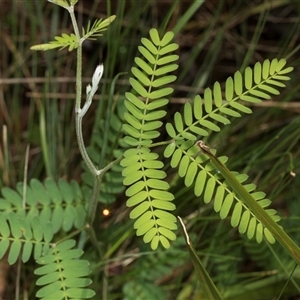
{"x":209,"y":288}
{"x":286,"y":242}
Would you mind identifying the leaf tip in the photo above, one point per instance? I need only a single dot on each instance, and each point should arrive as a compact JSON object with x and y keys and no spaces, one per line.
{"x":185,"y":232}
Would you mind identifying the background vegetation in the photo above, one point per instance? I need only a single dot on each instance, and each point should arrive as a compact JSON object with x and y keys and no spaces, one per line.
{"x":216,"y":38}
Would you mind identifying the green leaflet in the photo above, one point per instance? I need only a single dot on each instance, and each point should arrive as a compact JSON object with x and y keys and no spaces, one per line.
{"x":147,"y":191}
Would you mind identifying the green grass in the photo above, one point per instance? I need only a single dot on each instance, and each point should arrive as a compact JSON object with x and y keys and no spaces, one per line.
{"x":37,"y":104}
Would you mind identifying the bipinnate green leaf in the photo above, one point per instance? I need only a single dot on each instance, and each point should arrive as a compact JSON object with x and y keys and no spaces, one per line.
{"x":62,"y":273}
{"x":61,"y":42}
{"x":60,"y":203}
{"x":100,"y":25}
{"x":143,"y":175}
{"x":255,"y":85}
{"x":71,"y":40}
{"x":22,"y":238}
{"x":197,"y":170}
{"x":148,"y":194}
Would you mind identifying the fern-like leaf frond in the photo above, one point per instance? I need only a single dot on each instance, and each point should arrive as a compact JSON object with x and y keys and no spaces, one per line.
{"x":206,"y":115}
{"x":196,"y":169}
{"x":21,"y":238}
{"x":149,"y":196}
{"x":63,"y":274}
{"x":210,"y":112}
{"x":63,"y":41}
{"x":147,"y":191}
{"x":60,"y":203}
{"x":71,"y":41}
{"x":97,"y":28}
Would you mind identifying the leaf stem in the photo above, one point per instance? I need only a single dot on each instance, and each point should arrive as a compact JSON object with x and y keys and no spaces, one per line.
{"x":79,"y":113}
{"x":78,"y":110}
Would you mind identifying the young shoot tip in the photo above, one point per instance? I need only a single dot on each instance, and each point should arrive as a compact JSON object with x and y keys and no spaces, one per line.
{"x":97,"y":75}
